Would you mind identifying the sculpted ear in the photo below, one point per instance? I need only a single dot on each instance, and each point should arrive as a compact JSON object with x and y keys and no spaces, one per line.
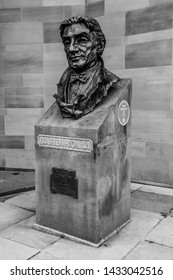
{"x":100,"y":47}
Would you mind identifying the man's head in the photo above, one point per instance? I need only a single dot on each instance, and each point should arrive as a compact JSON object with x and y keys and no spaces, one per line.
{"x":83,"y":42}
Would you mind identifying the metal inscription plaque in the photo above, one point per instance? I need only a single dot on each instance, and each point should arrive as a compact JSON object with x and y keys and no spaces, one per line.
{"x":65,"y":143}
{"x":123,"y":112}
{"x":64,"y":182}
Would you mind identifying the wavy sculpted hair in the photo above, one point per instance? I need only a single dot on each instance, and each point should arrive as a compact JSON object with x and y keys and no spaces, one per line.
{"x":92,"y":25}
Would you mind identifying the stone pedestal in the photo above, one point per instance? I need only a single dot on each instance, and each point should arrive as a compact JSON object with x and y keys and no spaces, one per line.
{"x":83,"y":170}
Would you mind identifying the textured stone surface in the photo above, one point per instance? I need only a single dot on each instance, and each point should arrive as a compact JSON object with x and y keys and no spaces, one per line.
{"x":115,"y":248}
{"x":12,"y":142}
{"x":149,"y":19}
{"x":150,"y":251}
{"x":20,"y":3}
{"x":135,"y":186}
{"x":24,"y":233}
{"x":11,"y":214}
{"x":43,"y":256}
{"x":13,"y":181}
{"x":95,"y":9}
{"x":149,"y":54}
{"x":26,"y":200}
{"x":2,"y":125}
{"x":15,"y":251}
{"x":45,"y":14}
{"x":103,"y":175}
{"x":10,"y":15}
{"x":21,"y":33}
{"x":154,"y":189}
{"x":162,"y":234}
{"x":151,"y":202}
{"x":23,"y":97}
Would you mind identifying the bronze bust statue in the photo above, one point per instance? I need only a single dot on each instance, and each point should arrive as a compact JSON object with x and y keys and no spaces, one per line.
{"x":85,"y":82}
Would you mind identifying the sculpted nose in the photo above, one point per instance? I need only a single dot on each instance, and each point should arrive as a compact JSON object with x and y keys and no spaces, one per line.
{"x":72,"y":46}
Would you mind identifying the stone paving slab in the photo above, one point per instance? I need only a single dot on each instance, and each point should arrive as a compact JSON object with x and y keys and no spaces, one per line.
{"x":43,"y":256}
{"x":135,"y":186}
{"x":163,"y":233}
{"x":11,"y":215}
{"x":15,"y":181}
{"x":24,"y":233}
{"x":26,"y":200}
{"x":158,"y":190}
{"x":14,"y":251}
{"x":150,"y":251}
{"x":151,"y":202}
{"x":116,"y":247}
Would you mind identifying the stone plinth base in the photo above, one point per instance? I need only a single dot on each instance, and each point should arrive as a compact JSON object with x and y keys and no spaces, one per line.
{"x":75,"y":239}
{"x":83,"y":170}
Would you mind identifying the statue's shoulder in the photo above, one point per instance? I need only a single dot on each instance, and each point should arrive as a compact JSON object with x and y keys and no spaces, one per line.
{"x":111,"y":77}
{"x":64,"y":77}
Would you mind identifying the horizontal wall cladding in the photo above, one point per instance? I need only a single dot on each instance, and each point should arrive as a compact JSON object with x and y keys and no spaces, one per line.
{"x":21,"y":33}
{"x":148,"y":37}
{"x":1,"y":97}
{"x":2,"y":127}
{"x":1,"y":69}
{"x":95,"y":8}
{"x":74,"y":10}
{"x":156,"y":2}
{"x":152,"y":170}
{"x":45,"y":14}
{"x":26,"y":58}
{"x":10,"y":15}
{"x":113,"y":28}
{"x":160,"y":151}
{"x":151,"y":126}
{"x":17,"y":123}
{"x":20,"y":3}
{"x":111,"y":6}
{"x":151,"y":96}
{"x":23,"y":97}
{"x":149,"y":19}
{"x":12,"y":142}
{"x":42,"y":14}
{"x":62,"y":2}
{"x":54,"y":59}
{"x":11,"y":80}
{"x":149,"y":54}
{"x":114,"y":57}
{"x":33,"y":80}
{"x":19,"y":158}
{"x":51,"y":34}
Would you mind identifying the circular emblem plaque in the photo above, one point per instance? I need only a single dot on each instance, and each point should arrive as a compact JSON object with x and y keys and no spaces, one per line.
{"x":123,"y":112}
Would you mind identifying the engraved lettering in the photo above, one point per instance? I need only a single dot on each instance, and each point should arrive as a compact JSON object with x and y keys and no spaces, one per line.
{"x":66,"y":143}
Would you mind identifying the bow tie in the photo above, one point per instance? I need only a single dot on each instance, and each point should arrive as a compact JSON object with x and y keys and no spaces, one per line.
{"x":79,"y":77}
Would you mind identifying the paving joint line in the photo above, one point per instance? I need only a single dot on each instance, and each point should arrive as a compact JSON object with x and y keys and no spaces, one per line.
{"x":132,"y":249}
{"x":153,"y":242}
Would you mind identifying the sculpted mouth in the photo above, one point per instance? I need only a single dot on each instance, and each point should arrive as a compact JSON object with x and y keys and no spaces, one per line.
{"x":74,"y":58}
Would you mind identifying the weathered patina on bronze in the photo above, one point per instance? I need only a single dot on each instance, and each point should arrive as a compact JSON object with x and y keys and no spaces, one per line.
{"x":85,"y":82}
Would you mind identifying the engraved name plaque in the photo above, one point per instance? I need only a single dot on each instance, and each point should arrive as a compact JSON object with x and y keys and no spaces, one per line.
{"x":64,"y":182}
{"x":123,"y":112}
{"x":65,"y":143}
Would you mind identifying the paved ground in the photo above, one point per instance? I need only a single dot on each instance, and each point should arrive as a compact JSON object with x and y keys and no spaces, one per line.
{"x":12,"y":182}
{"x":149,"y":236}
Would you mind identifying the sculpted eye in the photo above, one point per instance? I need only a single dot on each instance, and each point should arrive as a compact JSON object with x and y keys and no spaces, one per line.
{"x":66,"y":42}
{"x":82,"y":40}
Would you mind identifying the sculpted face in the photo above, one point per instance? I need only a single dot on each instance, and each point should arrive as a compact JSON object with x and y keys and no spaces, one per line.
{"x":80,"y":47}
